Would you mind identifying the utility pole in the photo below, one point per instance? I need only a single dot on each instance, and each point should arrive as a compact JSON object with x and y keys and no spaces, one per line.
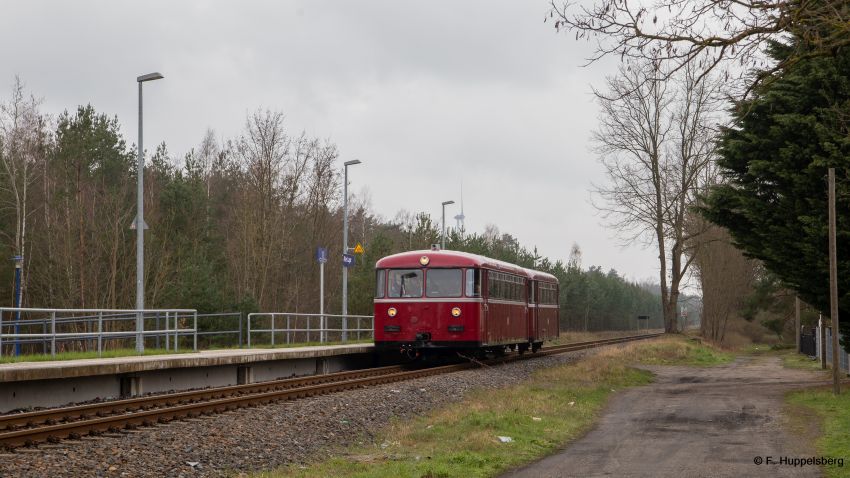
{"x":833,"y":286}
{"x":822,"y":341}
{"x":797,"y":321}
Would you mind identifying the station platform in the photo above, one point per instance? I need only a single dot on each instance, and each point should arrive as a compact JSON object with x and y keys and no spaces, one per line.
{"x":24,"y":385}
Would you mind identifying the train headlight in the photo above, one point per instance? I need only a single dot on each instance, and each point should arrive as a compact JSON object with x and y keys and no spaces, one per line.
{"x":424,"y":260}
{"x":392,"y":312}
{"x":456,"y":312}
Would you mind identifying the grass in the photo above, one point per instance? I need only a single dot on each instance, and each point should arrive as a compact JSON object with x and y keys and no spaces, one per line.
{"x":278,"y":345}
{"x":86,"y":355}
{"x":540,"y":415}
{"x":761,"y":349}
{"x":834,"y":416}
{"x":786,"y":352}
{"x":679,"y":351}
{"x":791,"y":359}
{"x":113,"y":353}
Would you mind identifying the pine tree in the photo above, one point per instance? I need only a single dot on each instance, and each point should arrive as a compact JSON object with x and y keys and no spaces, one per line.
{"x":775,"y":159}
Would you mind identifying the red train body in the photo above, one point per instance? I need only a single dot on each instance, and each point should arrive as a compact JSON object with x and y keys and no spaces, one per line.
{"x":436,"y":300}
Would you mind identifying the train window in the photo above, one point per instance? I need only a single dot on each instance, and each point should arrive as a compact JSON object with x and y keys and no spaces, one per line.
{"x":530,"y":292}
{"x":547,"y":293}
{"x":405,"y":283}
{"x":444,"y":283}
{"x":380,"y":282}
{"x":473,"y":282}
{"x":504,"y":286}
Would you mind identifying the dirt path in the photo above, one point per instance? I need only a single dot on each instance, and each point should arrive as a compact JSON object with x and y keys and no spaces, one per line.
{"x":691,"y":422}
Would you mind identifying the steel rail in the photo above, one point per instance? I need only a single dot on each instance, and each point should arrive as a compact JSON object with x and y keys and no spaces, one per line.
{"x":109,"y":416}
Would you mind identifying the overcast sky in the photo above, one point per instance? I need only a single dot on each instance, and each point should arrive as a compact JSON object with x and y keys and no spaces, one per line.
{"x":426,"y":94}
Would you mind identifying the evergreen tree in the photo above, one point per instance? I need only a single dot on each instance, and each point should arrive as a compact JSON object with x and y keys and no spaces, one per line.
{"x":775,"y":159}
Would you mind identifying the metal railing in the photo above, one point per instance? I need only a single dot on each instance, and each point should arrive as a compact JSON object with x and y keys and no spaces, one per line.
{"x":105,"y":319}
{"x":210,"y":320}
{"x":303,"y":328}
{"x":210,"y":331}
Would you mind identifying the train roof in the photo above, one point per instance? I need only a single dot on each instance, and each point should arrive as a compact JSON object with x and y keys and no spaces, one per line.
{"x":544,"y":276}
{"x":444,"y":258}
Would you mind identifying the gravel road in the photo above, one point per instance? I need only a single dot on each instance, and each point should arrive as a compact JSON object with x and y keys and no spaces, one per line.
{"x":692,"y":422}
{"x":261,"y":438}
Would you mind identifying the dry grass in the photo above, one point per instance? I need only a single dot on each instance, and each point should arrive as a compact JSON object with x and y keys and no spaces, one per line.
{"x":570,"y":337}
{"x":668,"y":350}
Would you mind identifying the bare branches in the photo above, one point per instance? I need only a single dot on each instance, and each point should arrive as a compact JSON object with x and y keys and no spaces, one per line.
{"x":655,"y":140}
{"x":707,"y":34}
{"x":23,"y":149}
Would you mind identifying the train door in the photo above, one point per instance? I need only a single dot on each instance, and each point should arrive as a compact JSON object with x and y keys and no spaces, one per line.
{"x":486,"y":329}
{"x":533,"y":316}
{"x":428,"y":323}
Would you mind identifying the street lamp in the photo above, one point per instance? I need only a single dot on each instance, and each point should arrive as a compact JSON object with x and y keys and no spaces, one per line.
{"x":443,"y":242}
{"x":140,"y":224}
{"x":345,"y":247}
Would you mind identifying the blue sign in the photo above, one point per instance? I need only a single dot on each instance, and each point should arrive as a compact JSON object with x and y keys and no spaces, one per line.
{"x":322,"y":255}
{"x":348,"y":260}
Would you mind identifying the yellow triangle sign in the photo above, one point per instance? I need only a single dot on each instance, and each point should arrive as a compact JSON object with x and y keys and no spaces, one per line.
{"x":358,"y":249}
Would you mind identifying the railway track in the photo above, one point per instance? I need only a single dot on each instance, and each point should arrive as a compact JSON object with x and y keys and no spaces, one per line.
{"x":24,"y":429}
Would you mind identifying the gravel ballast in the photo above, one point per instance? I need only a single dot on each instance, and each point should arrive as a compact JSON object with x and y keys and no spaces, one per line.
{"x":265,"y":437}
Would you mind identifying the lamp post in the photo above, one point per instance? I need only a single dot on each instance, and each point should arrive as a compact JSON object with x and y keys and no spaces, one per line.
{"x":345,"y":247}
{"x":140,"y":224}
{"x":443,"y":241}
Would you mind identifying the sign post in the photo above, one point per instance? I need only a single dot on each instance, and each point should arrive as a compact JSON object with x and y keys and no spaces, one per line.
{"x":644,"y":318}
{"x":19,"y":264}
{"x":347,"y":263}
{"x":321,"y":257}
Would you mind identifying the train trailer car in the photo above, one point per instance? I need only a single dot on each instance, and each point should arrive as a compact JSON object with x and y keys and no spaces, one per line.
{"x":435,"y":301}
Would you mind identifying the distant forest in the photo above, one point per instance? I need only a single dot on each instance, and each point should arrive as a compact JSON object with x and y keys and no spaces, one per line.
{"x":233,"y":224}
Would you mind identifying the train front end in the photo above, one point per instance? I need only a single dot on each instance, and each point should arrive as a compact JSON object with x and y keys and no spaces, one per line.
{"x":427,"y":302}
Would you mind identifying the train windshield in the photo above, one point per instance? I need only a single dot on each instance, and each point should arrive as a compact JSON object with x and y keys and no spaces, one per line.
{"x":444,"y":283}
{"x":405,"y":283}
{"x":380,"y":276}
{"x":473,"y":282}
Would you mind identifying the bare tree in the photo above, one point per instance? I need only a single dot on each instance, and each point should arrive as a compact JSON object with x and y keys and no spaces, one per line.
{"x":263,"y":151}
{"x":574,"y":261}
{"x":707,"y":33}
{"x":654,"y":140}
{"x":726,"y":278}
{"x":23,"y":148}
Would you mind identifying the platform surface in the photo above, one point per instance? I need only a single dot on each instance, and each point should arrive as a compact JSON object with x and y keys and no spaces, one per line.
{"x":23,"y":371}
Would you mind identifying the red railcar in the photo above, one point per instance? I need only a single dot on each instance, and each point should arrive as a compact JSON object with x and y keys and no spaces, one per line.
{"x":437,"y":300}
